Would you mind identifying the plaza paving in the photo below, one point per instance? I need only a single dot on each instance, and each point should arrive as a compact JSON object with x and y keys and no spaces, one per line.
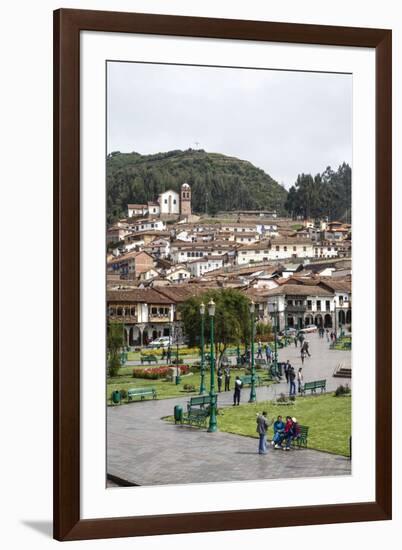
{"x":143,"y":449}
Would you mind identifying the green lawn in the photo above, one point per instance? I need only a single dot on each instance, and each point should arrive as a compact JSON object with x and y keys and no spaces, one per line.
{"x":165,"y":389}
{"x":341,"y":341}
{"x":328,"y":417}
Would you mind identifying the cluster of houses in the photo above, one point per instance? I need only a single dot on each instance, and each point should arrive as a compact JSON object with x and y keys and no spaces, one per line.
{"x":161,"y":254}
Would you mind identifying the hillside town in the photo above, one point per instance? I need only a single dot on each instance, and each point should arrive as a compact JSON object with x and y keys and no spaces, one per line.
{"x":297,"y":271}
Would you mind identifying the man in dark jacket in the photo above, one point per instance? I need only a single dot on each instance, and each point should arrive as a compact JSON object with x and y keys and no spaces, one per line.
{"x":220,"y":378}
{"x":262,"y":427}
{"x":227,"y":378}
{"x":237,"y":391}
{"x":292,"y":383}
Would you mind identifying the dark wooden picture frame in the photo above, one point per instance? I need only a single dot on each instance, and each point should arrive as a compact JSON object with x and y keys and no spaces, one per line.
{"x":67,"y":26}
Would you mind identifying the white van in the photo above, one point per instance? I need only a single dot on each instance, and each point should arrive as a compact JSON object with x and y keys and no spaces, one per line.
{"x":161,"y":342}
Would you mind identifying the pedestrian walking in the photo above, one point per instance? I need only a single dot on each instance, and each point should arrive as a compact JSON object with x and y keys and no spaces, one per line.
{"x":268,"y":353}
{"x":220,"y":378}
{"x":259,"y":350}
{"x":327,"y":334}
{"x":292,"y":383}
{"x":262,"y":427}
{"x":286,"y":368}
{"x":295,"y":341}
{"x":169,"y":355}
{"x":227,"y":378}
{"x":237,"y":391}
{"x":305,"y":348}
{"x":302,"y":356}
{"x":300,"y":380}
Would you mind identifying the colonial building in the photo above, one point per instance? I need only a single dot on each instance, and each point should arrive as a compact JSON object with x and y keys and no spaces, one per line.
{"x":297,"y":305}
{"x":152,"y":224}
{"x":281,"y":249}
{"x":144,"y":313}
{"x":168,"y":204}
{"x":131,"y":265}
{"x":199,"y":266}
{"x":183,"y":251}
{"x":137,"y":210}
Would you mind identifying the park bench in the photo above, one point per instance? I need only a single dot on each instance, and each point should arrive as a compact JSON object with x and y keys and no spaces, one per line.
{"x":314,"y":386}
{"x":198,"y":410}
{"x":301,"y":440}
{"x":148,"y":359}
{"x":140,"y":392}
{"x":246,"y":380}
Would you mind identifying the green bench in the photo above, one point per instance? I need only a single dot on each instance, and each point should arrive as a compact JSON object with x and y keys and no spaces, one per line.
{"x":301,"y":440}
{"x":148,"y":359}
{"x":246,"y":380}
{"x":198,"y":410}
{"x":140,"y":392}
{"x":314,"y":386}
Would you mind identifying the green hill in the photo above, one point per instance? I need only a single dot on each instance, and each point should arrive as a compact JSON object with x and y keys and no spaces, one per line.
{"x":218,"y":182}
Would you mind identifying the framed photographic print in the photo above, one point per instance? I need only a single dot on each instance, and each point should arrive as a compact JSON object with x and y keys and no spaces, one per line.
{"x":216,"y":183}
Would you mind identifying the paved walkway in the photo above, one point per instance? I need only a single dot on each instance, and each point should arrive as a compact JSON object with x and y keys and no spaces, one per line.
{"x":146,"y":450}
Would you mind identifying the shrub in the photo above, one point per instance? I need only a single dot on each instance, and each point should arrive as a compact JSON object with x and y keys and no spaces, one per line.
{"x":189,"y":387}
{"x":342,"y":390}
{"x":114,"y":365}
{"x":123,"y":394}
{"x":282,"y":398}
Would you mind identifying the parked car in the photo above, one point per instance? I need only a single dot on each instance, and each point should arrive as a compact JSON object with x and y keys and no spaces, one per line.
{"x":309,"y":328}
{"x":161,"y":342}
{"x":288,"y":332}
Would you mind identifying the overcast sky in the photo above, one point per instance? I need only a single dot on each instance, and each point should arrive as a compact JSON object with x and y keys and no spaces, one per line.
{"x":283,"y":122}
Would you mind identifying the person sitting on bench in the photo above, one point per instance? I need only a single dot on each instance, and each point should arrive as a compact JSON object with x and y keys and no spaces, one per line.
{"x":279,"y":428}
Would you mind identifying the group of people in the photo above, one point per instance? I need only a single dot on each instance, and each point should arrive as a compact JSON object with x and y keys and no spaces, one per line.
{"x":331,"y":336}
{"x":284,"y":432}
{"x":246,"y":356}
{"x":167,"y":354}
{"x":223,"y":374}
{"x":291,"y":375}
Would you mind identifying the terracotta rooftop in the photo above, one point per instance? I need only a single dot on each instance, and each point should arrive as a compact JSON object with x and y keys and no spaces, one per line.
{"x":137,"y":295}
{"x":298,"y":290}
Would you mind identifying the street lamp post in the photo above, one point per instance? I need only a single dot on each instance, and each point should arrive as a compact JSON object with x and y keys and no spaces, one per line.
{"x":177,"y":356}
{"x":123,"y":356}
{"x":253,"y":396}
{"x":336,"y":335}
{"x":202,"y":383}
{"x":212,"y":414}
{"x":276,"y":340}
{"x":287,"y":341}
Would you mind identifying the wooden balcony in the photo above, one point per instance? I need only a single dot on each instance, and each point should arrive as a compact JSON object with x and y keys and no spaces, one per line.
{"x":158,"y":318}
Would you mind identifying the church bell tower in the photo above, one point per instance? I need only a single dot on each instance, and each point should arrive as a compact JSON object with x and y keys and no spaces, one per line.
{"x":185,"y":200}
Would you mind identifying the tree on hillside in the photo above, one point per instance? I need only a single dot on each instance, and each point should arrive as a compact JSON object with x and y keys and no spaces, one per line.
{"x":218,"y":182}
{"x":232,"y":319}
{"x":325,"y":195}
